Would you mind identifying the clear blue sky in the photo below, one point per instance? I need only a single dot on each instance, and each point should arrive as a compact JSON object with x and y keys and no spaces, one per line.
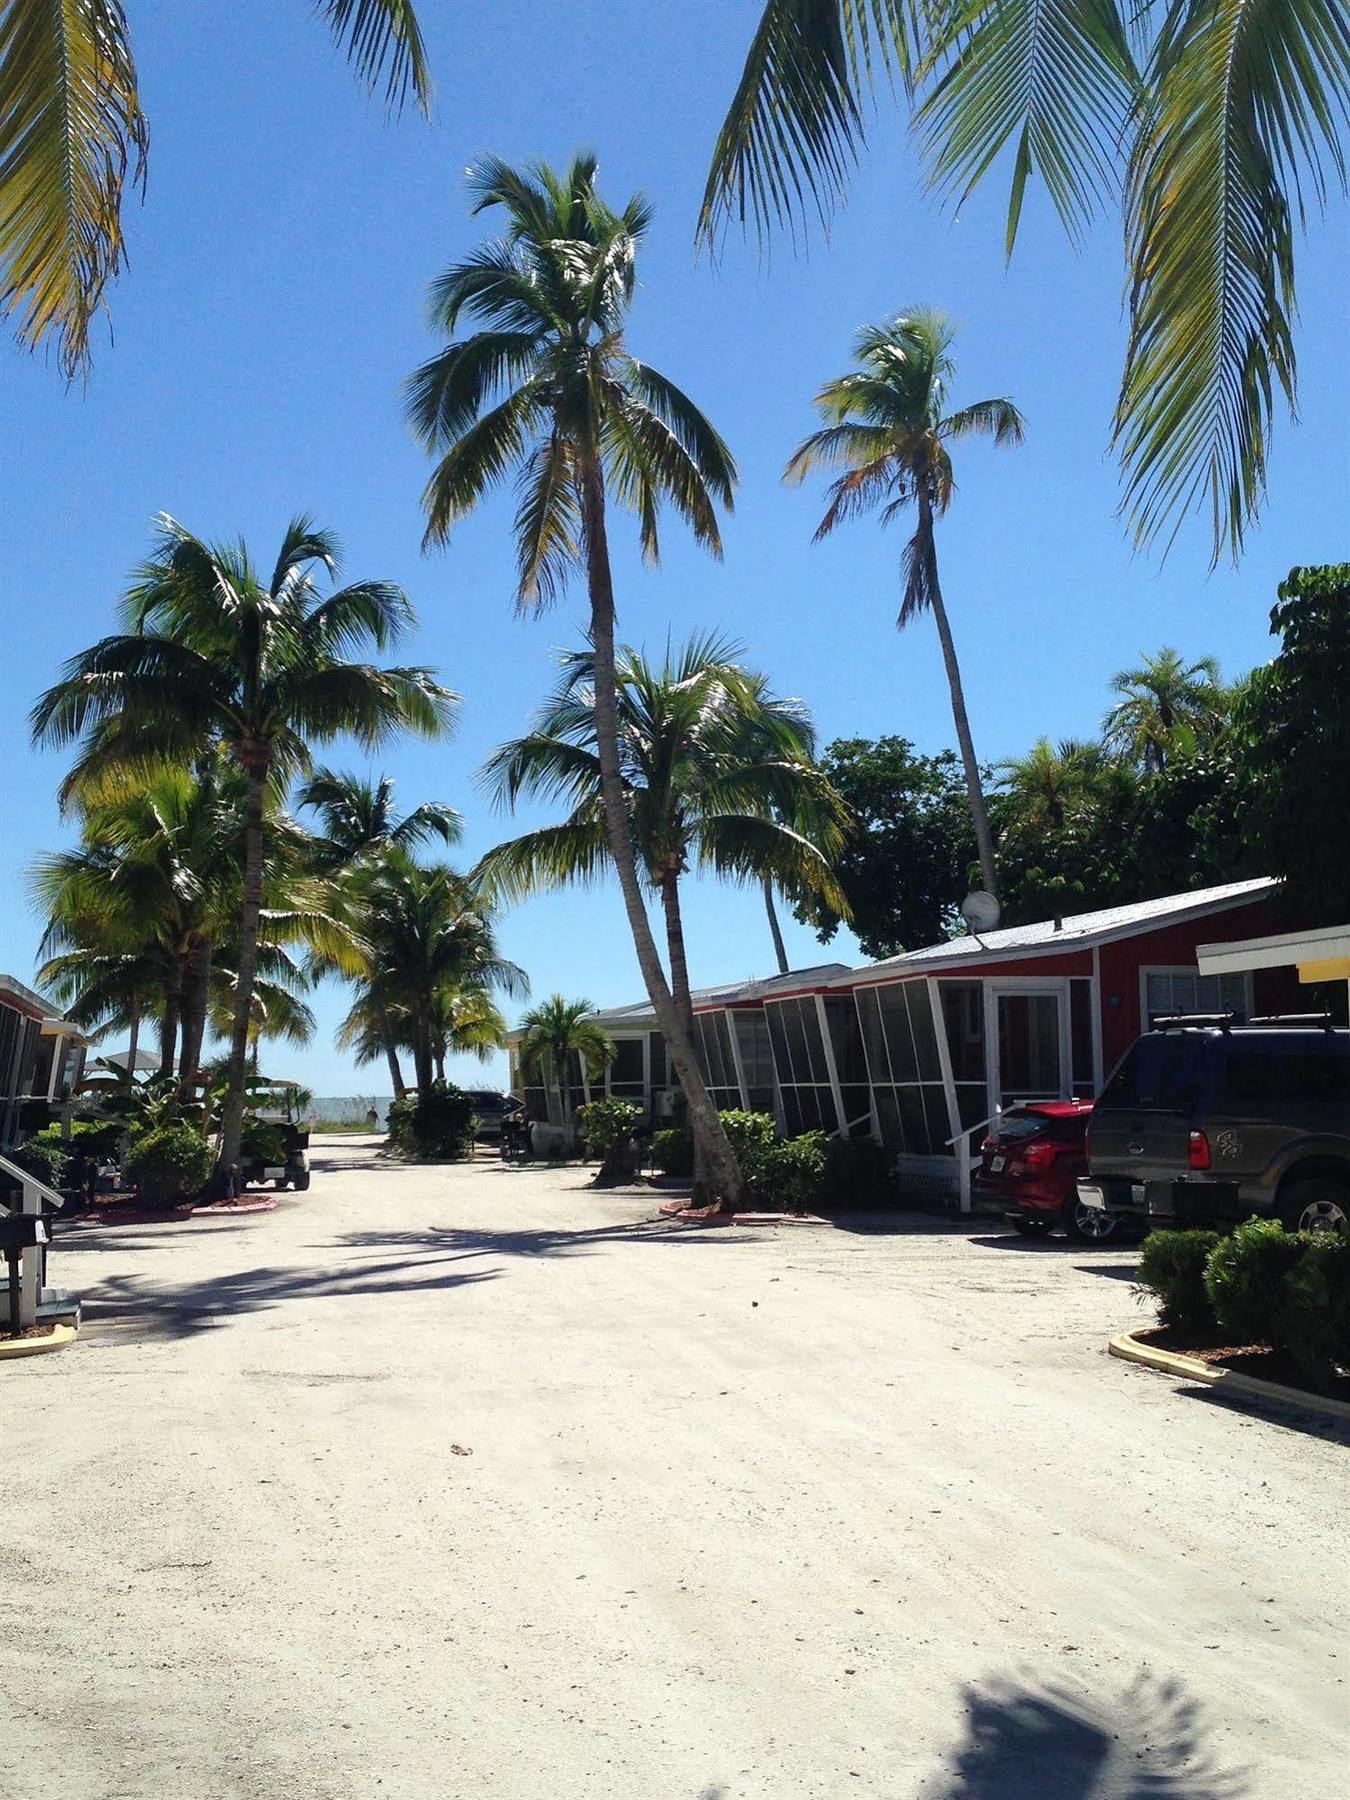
{"x":274,"y":303}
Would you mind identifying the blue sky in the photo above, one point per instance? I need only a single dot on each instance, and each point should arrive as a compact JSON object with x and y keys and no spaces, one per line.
{"x":274,"y":304}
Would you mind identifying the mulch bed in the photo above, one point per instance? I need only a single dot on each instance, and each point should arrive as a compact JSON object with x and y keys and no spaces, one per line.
{"x":29,"y":1331}
{"x":1257,"y":1360}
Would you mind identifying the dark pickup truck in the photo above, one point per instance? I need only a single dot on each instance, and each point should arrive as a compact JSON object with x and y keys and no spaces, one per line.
{"x":1206,"y":1119}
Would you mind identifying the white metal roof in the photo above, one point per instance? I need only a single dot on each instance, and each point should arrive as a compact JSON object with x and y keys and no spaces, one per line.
{"x":1328,"y":943}
{"x":1077,"y":931}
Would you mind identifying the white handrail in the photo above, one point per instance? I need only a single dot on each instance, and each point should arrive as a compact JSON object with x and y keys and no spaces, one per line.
{"x":30,"y":1181}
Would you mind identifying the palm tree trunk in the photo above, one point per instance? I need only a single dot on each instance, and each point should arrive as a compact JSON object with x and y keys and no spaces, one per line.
{"x":133,"y":1039}
{"x":232,"y":1110}
{"x":422,"y":1052}
{"x":702,"y":1113}
{"x":775,"y":931}
{"x":984,"y":838}
{"x":196,"y":990}
{"x":168,"y":1024}
{"x":684,"y":1000}
{"x":390,"y":1050}
{"x":439,"y":1059}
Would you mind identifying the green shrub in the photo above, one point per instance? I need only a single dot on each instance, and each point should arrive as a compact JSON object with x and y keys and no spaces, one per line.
{"x":263,"y":1139}
{"x":1245,"y":1278}
{"x":673,"y":1151}
{"x":1313,"y":1323}
{"x":173,"y":1162}
{"x":45,"y":1161}
{"x":751,"y":1135}
{"x":608,"y":1130}
{"x":1172,"y":1269}
{"x":434,"y":1127}
{"x":858,"y":1172}
{"x":790,"y":1174}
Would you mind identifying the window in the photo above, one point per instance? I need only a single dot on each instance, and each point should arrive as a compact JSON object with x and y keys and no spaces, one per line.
{"x":1162,"y":1072}
{"x":1080,"y":1039}
{"x":716,"y":1059}
{"x":1270,"y":1073}
{"x":804,"y":1086}
{"x":752,"y":1041}
{"x":625,"y":1079}
{"x":899,"y":1034}
{"x":1187,"y":991}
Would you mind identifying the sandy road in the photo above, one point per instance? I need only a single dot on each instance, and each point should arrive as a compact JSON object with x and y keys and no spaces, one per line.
{"x":471,"y":1482}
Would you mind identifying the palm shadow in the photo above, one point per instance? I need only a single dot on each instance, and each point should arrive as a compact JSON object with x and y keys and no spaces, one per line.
{"x":1032,"y":1740}
{"x":541,"y":1241}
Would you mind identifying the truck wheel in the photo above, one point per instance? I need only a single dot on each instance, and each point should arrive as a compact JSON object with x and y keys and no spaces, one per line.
{"x":1320,"y":1204}
{"x":300,"y":1180}
{"x":1087,"y":1224}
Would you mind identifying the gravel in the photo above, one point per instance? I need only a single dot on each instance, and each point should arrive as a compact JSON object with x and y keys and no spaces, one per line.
{"x":472,"y":1481}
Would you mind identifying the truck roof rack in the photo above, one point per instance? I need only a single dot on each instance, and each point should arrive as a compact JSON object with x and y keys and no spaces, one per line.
{"x":1312,"y":1020}
{"x":1172,"y":1021}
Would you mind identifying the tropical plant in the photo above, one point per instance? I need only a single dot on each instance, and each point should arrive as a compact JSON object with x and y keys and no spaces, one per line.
{"x":548,"y":387}
{"x":1218,"y":119}
{"x":553,"y":1034}
{"x":172,"y":1162}
{"x":435,"y":1124}
{"x":1053,"y":785}
{"x":358,"y":819}
{"x":609,"y":1129}
{"x":1167,"y":703}
{"x":889,"y":429}
{"x":716,"y":771}
{"x":72,"y":133}
{"x":215,"y":656}
{"x":1291,"y":731}
{"x":430,"y":942}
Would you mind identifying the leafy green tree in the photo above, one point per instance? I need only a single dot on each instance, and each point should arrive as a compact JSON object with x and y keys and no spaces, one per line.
{"x":553,"y":1033}
{"x":430,"y":937}
{"x":908,"y":848}
{"x":214,"y":656}
{"x":1228,"y":116}
{"x":717,"y":775}
{"x":548,"y":388}
{"x":1291,"y":733}
{"x":1167,"y":703}
{"x":358,"y":819}
{"x":889,"y":429}
{"x":72,"y":133}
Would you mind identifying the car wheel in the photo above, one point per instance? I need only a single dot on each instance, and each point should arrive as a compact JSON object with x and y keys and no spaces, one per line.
{"x":281,"y":1184}
{"x":1317,"y":1205}
{"x":1033,"y":1225}
{"x":1087,"y":1224}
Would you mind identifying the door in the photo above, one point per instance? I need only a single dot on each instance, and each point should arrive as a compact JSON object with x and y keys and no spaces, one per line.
{"x":1027,"y":1045}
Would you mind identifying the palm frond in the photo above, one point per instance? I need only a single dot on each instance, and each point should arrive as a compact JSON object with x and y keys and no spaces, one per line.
{"x":541,"y":861}
{"x":71,"y":128}
{"x":998,"y":419}
{"x":383,"y":41}
{"x":476,"y":462}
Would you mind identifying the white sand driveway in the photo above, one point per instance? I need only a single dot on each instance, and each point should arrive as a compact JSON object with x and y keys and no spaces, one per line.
{"x":745,"y":1516}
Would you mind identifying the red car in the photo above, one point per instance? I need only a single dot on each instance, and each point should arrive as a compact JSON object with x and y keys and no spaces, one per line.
{"x":1029,"y":1169}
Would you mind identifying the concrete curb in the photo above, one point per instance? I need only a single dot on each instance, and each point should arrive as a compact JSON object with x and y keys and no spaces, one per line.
{"x":1190,"y":1368}
{"x":60,"y":1338}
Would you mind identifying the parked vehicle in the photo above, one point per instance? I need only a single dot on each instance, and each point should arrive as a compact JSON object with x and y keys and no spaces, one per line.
{"x":1029,"y":1168}
{"x":1206,"y":1119}
{"x":490,"y":1109}
{"x":274,"y":1150}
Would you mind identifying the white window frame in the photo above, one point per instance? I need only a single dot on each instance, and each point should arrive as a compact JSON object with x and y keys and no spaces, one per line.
{"x":1192,"y":973}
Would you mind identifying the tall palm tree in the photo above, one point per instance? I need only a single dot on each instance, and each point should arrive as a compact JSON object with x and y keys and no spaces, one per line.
{"x":889,"y":429}
{"x":1166,"y":702}
{"x":464,"y":1022}
{"x":549,"y":388}
{"x":1217,"y":119}
{"x":216,"y":656}
{"x":358,"y":819}
{"x":430,"y":934}
{"x":72,"y":133}
{"x":553,"y":1033}
{"x":1052,"y":784}
{"x":716,"y":773}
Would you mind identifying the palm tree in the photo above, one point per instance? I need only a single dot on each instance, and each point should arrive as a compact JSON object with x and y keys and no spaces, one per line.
{"x":889,"y":430}
{"x":430,"y":936}
{"x":214,"y":656}
{"x":553,"y":1033}
{"x":72,"y":133}
{"x":716,"y":773}
{"x":358,"y":820}
{"x":549,"y":388}
{"x":1051,"y":785}
{"x":1225,"y":115}
{"x":1167,"y":702}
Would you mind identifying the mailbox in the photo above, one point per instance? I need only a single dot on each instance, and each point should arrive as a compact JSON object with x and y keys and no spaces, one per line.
{"x":21,"y":1231}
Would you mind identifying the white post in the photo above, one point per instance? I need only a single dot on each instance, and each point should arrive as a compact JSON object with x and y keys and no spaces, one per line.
{"x":959,"y":1147}
{"x":30,"y":1262}
{"x":831,"y":1067}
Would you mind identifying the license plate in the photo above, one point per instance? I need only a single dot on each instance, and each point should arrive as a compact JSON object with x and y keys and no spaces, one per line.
{"x":1138,"y":1193}
{"x":273,"y":1174}
{"x":996,"y":1164}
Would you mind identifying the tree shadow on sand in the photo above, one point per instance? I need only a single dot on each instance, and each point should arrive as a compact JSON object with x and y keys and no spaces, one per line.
{"x":541,"y":1241}
{"x":1032,"y":1740}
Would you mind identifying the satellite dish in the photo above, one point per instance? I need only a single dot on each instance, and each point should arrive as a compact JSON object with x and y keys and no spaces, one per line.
{"x":980,"y":911}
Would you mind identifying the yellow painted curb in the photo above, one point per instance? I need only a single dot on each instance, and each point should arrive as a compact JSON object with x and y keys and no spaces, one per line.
{"x":1190,"y":1368}
{"x":61,"y":1336}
